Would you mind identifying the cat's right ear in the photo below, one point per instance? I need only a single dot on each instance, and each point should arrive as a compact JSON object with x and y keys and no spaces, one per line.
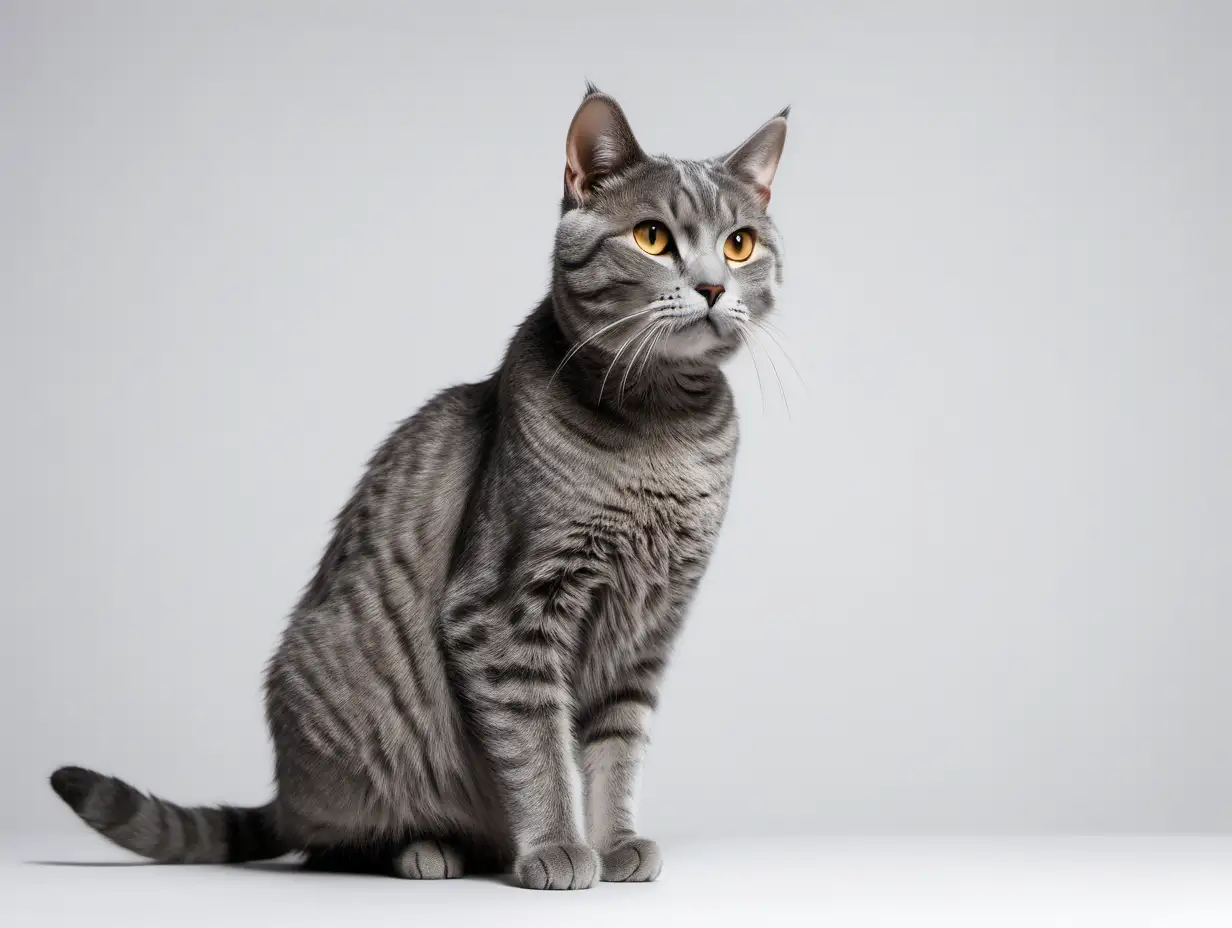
{"x":600,"y":144}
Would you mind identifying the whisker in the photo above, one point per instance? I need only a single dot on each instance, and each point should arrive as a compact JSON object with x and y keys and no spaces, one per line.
{"x":658,"y":339}
{"x":767,"y":327}
{"x":761,"y":391}
{"x":582,"y":344}
{"x":654,"y":330}
{"x":621,"y":351}
{"x":774,"y":367}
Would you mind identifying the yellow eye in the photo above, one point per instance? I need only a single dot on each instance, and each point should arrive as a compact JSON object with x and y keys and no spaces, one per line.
{"x":652,"y":237}
{"x":739,"y":245}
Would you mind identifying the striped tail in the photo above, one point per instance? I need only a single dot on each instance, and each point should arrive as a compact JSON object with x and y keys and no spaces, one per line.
{"x":163,"y":831}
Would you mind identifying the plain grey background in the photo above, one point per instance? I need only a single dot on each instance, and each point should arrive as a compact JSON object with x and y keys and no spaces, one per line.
{"x":978,"y":581}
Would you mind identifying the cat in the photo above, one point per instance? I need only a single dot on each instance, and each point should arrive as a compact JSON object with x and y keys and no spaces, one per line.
{"x":466,"y":683}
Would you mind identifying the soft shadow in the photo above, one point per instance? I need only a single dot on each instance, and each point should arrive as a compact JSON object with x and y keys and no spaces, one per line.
{"x":271,"y":865}
{"x":93,"y":863}
{"x":289,"y":865}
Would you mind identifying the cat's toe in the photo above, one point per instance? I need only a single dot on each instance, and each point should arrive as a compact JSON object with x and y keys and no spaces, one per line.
{"x":428,"y":859}
{"x":637,"y":860}
{"x":558,"y":866}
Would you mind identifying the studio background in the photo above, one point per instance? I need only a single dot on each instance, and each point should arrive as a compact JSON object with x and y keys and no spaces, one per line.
{"x":979,"y":581}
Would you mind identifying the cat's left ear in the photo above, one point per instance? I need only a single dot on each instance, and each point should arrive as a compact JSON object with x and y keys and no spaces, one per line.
{"x":600,"y":144}
{"x":757,"y":159}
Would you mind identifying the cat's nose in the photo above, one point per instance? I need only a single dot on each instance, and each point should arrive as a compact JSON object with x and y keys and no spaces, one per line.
{"x":711,"y":292}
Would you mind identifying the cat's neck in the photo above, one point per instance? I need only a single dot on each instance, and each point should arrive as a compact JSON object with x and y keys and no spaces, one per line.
{"x":644,"y":391}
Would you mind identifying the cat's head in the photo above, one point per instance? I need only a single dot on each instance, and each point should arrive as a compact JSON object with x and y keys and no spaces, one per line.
{"x":663,"y":257}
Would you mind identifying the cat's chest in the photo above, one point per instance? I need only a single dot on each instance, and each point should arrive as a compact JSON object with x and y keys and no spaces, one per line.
{"x":636,"y":506}
{"x":647,"y":544}
{"x":660,"y":517}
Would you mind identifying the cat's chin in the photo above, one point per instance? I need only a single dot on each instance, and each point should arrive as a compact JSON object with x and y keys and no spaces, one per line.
{"x":700,"y":342}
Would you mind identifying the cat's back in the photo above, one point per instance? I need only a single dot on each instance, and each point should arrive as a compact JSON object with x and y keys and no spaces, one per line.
{"x":408,"y":506}
{"x":379,"y":582}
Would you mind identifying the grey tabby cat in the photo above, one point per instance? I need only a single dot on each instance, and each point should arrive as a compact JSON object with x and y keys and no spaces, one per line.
{"x":467,"y":682}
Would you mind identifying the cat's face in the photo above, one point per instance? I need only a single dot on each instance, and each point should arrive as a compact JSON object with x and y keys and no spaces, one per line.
{"x":663,"y":259}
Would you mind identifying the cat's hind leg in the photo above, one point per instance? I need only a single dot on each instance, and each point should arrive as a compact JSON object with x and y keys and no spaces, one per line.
{"x":428,"y":859}
{"x":417,"y":859}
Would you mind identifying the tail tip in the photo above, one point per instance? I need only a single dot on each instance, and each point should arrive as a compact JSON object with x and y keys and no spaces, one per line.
{"x":73,"y":785}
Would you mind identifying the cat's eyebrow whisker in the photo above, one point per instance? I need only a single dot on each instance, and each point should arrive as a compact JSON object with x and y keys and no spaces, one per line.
{"x":589,"y":338}
{"x":619,"y":352}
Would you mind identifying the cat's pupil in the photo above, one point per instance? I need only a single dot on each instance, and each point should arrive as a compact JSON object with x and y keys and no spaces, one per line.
{"x":738,"y":241}
{"x":652,"y":234}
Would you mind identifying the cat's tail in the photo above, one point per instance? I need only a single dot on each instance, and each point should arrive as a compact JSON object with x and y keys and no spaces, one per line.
{"x":166,"y":832}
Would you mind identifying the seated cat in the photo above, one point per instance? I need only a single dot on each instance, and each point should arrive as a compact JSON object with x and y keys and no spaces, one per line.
{"x":467,"y":682}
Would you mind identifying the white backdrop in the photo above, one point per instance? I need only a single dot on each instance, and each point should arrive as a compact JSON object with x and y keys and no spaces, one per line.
{"x":978,"y":581}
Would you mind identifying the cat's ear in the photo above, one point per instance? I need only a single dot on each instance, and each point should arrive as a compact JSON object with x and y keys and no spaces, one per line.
{"x":756,"y":160}
{"x":600,"y":144}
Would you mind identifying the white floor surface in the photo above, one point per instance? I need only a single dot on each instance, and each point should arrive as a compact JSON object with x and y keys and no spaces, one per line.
{"x":954,"y":882}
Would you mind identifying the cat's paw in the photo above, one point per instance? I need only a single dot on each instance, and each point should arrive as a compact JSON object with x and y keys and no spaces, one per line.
{"x":558,"y":866}
{"x":428,"y":859}
{"x":636,"y":860}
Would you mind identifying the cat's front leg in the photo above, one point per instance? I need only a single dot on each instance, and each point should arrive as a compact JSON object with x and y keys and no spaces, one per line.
{"x":515,"y":684}
{"x":612,"y":732}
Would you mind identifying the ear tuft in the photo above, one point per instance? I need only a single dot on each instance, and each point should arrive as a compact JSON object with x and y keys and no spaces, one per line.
{"x":591,"y":90}
{"x":599,"y":144}
{"x":785,"y":112}
{"x":757,"y":159}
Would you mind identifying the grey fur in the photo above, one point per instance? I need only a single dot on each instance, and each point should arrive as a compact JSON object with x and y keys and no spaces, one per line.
{"x":468,"y":679}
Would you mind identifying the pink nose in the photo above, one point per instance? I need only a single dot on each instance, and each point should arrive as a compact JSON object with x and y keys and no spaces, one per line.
{"x":711,"y":292}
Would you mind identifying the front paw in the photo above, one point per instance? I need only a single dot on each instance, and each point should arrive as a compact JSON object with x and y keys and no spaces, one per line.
{"x":637,"y":860}
{"x":558,"y":866}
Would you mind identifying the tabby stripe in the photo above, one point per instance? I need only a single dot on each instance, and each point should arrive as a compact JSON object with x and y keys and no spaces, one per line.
{"x":534,"y":637}
{"x":390,"y":613}
{"x":241,"y":836}
{"x":586,"y":258}
{"x":390,"y":686}
{"x":124,"y":803}
{"x":605,"y":734}
{"x":674,"y":202}
{"x":648,"y":667}
{"x":529,"y":710}
{"x":548,"y":462}
{"x":481,"y":604}
{"x":519,"y":673}
{"x":191,"y":834}
{"x":408,"y":572}
{"x":719,"y":457}
{"x":514,"y":548}
{"x":688,"y":194}
{"x":575,"y":428}
{"x":162,"y":829}
{"x":428,"y":768}
{"x":636,"y":695}
{"x":307,"y":672}
{"x":373,"y":749}
{"x":471,"y":639}
{"x":404,"y":640}
{"x":719,"y":427}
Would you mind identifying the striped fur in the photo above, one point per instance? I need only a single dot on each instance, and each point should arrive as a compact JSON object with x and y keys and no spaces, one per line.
{"x":468,"y":679}
{"x":163,"y":831}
